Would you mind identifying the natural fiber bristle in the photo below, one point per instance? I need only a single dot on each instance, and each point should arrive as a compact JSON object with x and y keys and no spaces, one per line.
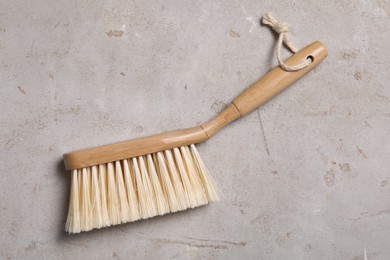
{"x":138,"y":188}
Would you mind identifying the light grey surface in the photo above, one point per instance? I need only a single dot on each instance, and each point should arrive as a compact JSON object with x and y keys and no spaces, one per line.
{"x":307,"y":176}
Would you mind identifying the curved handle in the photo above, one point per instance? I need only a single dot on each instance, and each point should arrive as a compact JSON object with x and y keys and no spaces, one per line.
{"x":256,"y":95}
{"x":267,"y":87}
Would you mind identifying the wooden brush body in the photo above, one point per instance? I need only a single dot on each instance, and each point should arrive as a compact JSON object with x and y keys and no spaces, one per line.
{"x":164,"y":173}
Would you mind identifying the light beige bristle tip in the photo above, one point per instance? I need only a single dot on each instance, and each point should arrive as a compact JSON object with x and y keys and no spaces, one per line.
{"x":138,"y":188}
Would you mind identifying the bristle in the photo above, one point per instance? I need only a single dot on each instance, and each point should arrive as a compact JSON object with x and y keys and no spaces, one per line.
{"x":176,"y":182}
{"x":138,"y":188}
{"x":190,"y":193}
{"x":73,"y":220}
{"x":204,"y":175}
{"x":194,"y":177}
{"x":167,"y":184}
{"x":146,"y":205}
{"x":124,"y":210}
{"x":161,"y":202}
{"x":86,"y":209}
{"x":112,"y":196}
{"x":103,"y":193}
{"x":148,"y":189}
{"x":131,"y":195}
{"x":96,"y":200}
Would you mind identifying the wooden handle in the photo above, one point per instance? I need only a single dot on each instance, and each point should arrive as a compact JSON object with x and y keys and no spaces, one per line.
{"x":136,"y":147}
{"x":256,"y":95}
{"x":267,"y":87}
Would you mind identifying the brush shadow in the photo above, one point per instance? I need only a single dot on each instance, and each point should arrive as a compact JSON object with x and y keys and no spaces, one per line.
{"x":65,"y":191}
{"x":133,"y":229}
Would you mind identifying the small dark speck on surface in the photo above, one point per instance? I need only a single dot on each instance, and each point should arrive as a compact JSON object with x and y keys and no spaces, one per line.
{"x":185,"y":87}
{"x":361,"y":153}
{"x":358,"y":75}
{"x":9,"y":144}
{"x":22,"y":90}
{"x":114,"y":33}
{"x":263,"y":133}
{"x":201,"y":243}
{"x":219,"y":241}
{"x":36,"y":188}
{"x":168,"y":241}
{"x":348,"y":55}
{"x":32,"y":246}
{"x":218,"y":105}
{"x":57,"y":24}
{"x":69,"y":111}
{"x":370,"y":255}
{"x":308,"y":247}
{"x":345,"y":167}
{"x":283,"y":240}
{"x":234,"y":34}
{"x":384,"y":183}
{"x":123,"y":74}
{"x":329,"y":178}
{"x":364,"y":215}
{"x":138,"y":129}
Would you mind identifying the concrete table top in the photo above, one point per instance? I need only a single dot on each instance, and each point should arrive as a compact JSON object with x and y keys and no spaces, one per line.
{"x":306,"y":176}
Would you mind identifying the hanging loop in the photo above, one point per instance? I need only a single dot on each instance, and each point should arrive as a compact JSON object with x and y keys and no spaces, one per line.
{"x":282,"y":29}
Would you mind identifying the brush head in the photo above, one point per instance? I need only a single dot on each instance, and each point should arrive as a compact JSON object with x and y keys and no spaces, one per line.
{"x":138,"y":188}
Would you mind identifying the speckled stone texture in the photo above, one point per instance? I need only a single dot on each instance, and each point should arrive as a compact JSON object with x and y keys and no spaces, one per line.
{"x":307,"y":176}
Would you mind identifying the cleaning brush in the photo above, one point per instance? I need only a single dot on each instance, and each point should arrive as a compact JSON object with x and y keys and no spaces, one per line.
{"x":150,"y":176}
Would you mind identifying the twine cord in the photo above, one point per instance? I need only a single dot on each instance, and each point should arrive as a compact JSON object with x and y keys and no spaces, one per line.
{"x":282,"y":29}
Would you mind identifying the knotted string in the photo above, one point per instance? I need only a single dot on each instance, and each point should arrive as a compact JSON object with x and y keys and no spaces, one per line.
{"x":282,"y":29}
